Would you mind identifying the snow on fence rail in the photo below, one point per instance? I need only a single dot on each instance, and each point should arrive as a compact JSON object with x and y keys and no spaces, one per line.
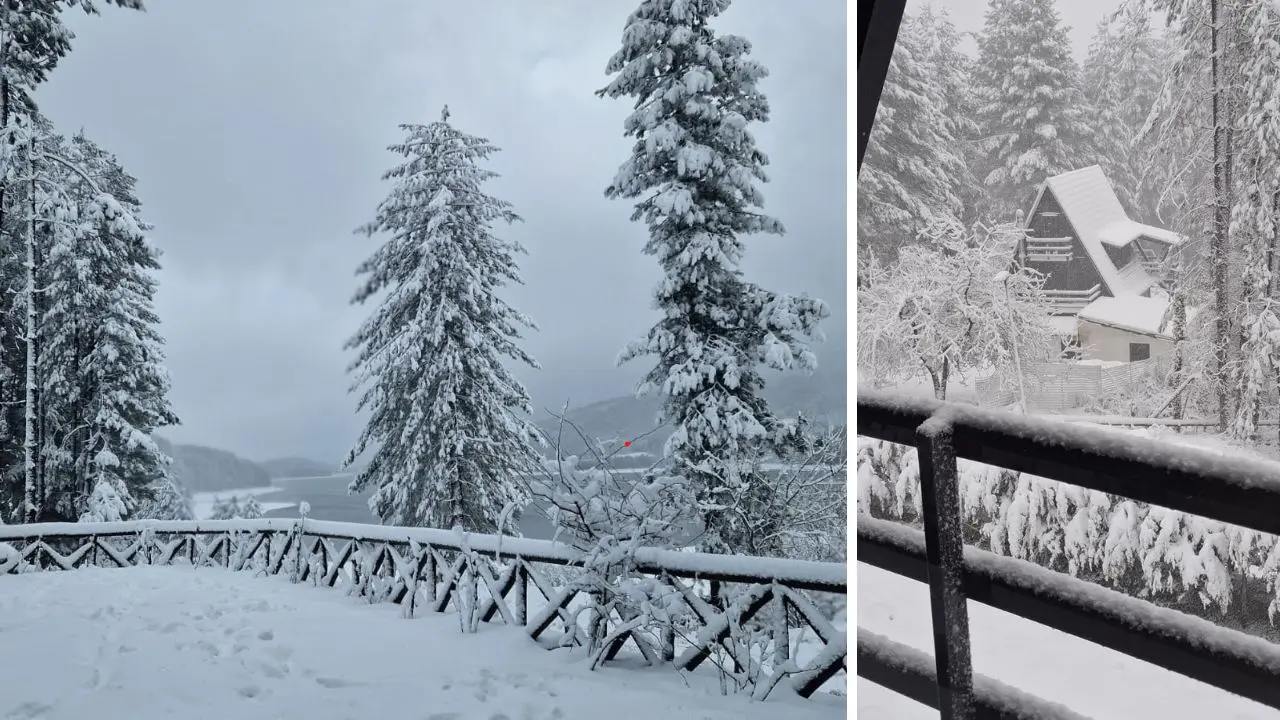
{"x":412,"y":566}
{"x":1240,"y":491}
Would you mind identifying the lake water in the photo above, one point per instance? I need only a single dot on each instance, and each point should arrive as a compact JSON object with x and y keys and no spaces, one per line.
{"x":330,"y":500}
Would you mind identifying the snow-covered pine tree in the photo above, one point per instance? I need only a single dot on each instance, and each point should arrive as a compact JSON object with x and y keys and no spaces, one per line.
{"x":227,"y":508}
{"x":167,"y":502}
{"x":33,"y":39}
{"x":103,"y":386}
{"x":445,"y":426}
{"x":1121,"y":79}
{"x":1256,"y":212}
{"x":250,"y":509}
{"x":954,"y":71}
{"x":913,"y":174}
{"x":1031,"y":112}
{"x":695,"y":167}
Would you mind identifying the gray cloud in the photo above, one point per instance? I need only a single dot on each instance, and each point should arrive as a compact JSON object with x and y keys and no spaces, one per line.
{"x":257,"y":132}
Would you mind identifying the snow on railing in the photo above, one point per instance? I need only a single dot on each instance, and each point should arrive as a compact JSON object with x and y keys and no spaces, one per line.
{"x":416,"y":566}
{"x":1237,"y":490}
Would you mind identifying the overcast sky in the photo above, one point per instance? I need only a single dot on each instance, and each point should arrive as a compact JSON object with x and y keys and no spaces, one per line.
{"x":257,"y":131}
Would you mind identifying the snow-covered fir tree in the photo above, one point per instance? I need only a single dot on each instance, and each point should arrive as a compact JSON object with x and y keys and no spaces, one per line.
{"x":227,"y":508}
{"x":954,"y":76}
{"x":103,"y":385}
{"x":447,"y":425}
{"x":1255,"y":219}
{"x":1031,"y":113}
{"x":695,"y":169}
{"x":1121,"y":79}
{"x":168,"y":501}
{"x":913,"y":173}
{"x":33,"y":39}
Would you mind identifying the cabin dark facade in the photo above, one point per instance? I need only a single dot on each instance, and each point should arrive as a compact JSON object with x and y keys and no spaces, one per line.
{"x":1080,"y":238}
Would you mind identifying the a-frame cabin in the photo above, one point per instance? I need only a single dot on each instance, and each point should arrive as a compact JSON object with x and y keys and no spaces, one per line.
{"x":1079,"y":236}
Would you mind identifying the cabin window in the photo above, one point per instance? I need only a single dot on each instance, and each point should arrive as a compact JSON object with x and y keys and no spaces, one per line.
{"x":1139,"y":351}
{"x":1120,"y":256}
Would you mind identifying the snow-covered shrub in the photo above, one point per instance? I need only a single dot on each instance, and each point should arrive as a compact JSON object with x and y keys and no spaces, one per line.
{"x":1150,"y":552}
{"x":233,"y":508}
{"x":227,"y":508}
{"x":606,"y":517}
{"x":105,"y":504}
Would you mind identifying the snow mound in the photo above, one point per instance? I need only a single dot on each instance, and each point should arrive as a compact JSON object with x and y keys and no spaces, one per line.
{"x":147,"y":643}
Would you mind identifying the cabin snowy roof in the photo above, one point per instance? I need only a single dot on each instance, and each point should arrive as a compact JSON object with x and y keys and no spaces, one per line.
{"x":1094,"y":211}
{"x":1137,"y":314}
{"x":1123,"y":232}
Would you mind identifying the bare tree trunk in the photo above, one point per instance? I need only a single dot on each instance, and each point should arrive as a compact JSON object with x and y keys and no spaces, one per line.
{"x":1218,"y":254}
{"x":33,"y":493}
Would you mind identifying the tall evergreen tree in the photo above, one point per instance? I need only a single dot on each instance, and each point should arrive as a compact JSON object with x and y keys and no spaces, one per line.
{"x":1122,"y":77}
{"x":446,"y":432}
{"x":1030,"y":108}
{"x":913,"y":174}
{"x":99,"y":385}
{"x":695,"y":168}
{"x":33,"y":39}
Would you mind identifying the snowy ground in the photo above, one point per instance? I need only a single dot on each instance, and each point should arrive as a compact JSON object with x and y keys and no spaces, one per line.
{"x":175,"y":642}
{"x":202,"y":502}
{"x":1090,"y":679}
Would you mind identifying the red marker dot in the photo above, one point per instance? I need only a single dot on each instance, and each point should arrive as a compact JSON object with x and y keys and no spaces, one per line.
{"x":626,"y":444}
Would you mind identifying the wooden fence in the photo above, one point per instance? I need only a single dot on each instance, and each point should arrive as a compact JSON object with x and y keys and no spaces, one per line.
{"x":1054,"y":387}
{"x":416,"y":567}
{"x":1238,"y":491}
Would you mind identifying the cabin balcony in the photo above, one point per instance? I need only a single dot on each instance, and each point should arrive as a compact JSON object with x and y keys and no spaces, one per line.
{"x":1057,"y":249}
{"x":1070,"y":302}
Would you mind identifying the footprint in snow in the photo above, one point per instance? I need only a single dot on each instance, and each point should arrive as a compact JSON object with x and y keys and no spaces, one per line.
{"x":28,"y":711}
{"x":335,"y":683}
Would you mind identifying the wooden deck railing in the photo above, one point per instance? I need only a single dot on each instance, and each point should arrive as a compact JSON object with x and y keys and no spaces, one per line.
{"x":421,"y":566}
{"x":1239,"y":491}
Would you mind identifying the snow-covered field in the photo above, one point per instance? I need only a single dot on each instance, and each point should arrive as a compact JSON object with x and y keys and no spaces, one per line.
{"x":202,"y":502}
{"x":174,"y":642}
{"x":1092,"y":680}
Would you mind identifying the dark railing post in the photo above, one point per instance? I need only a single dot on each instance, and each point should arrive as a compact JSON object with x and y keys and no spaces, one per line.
{"x":944,"y":547}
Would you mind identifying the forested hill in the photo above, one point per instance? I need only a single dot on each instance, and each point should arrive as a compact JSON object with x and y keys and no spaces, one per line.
{"x":822,"y":397}
{"x":297,"y":467}
{"x":204,"y":469}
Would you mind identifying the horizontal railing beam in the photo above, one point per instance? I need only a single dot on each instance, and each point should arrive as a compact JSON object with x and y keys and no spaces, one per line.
{"x":797,"y":574}
{"x":1240,"y":491}
{"x":911,"y":672}
{"x":1233,"y":661}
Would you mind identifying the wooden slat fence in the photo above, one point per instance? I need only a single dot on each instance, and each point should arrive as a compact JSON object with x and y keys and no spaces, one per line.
{"x":1054,"y":387}
{"x":424,"y":568}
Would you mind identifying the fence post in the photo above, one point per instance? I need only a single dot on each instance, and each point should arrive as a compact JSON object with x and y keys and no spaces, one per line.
{"x":944,"y":549}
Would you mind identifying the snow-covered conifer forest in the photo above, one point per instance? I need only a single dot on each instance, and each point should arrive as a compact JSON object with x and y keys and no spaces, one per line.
{"x":1088,"y":232}
{"x":82,"y":377}
{"x":450,"y":437}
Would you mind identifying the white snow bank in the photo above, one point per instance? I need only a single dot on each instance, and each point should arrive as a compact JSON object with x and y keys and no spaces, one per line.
{"x":202,"y":502}
{"x":151,"y":642}
{"x":1130,"y":312}
{"x":1090,"y":679}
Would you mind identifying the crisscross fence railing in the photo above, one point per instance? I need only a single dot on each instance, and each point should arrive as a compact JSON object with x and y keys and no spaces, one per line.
{"x":425,"y":568}
{"x":1240,"y":491}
